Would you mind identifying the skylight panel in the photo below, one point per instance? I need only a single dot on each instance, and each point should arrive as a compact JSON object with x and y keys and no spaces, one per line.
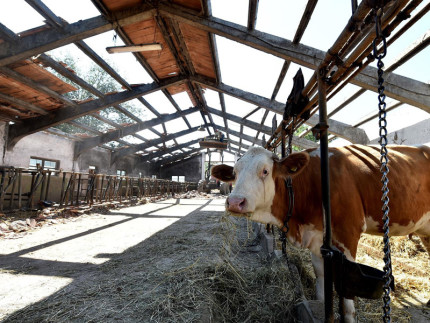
{"x":235,"y":11}
{"x":238,"y":107}
{"x":246,"y":68}
{"x":279,"y":17}
{"x":20,"y":17}
{"x":147,"y":134}
{"x":326,"y":25}
{"x":195,"y":119}
{"x":212,"y":99}
{"x":72,"y":11}
{"x":132,"y":140}
{"x":183,"y":100}
{"x":175,"y":126}
{"x":160,"y":103}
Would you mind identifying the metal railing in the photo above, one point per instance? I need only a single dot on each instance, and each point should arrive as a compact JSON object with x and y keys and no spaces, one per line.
{"x":22,"y":188}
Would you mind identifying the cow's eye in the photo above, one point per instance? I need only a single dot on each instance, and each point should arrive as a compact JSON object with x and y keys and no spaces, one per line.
{"x":265,"y":172}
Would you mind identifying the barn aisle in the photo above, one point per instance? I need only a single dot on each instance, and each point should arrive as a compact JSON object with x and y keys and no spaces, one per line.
{"x":172,"y":260}
{"x":169,"y":261}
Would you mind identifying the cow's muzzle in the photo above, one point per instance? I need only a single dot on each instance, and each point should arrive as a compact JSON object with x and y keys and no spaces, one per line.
{"x":236,"y":204}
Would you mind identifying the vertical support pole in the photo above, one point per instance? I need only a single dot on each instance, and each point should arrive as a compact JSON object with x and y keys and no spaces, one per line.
{"x":12,"y":192}
{"x":78,"y":192}
{"x":42,"y":189}
{"x":48,"y":184}
{"x":72,"y":190}
{"x":62,"y":189}
{"x":325,"y":190}
{"x":30,"y":197}
{"x":283,"y":154}
{"x":100,"y":193}
{"x":19,"y":188}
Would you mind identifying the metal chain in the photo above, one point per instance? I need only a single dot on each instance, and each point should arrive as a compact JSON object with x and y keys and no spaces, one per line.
{"x":289,"y":187}
{"x":384,"y":163}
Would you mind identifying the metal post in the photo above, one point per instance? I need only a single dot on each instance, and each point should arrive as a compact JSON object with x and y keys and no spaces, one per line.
{"x":325,"y":190}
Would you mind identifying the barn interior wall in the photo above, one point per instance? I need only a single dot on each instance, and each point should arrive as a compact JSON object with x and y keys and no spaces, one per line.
{"x":190,"y":168}
{"x":417,"y":134}
{"x":48,"y":146}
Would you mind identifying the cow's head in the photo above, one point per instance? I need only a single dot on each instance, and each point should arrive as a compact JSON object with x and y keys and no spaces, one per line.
{"x":254,"y":175}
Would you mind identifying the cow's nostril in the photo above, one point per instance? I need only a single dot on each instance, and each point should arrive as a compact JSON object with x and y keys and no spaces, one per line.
{"x":242,"y":204}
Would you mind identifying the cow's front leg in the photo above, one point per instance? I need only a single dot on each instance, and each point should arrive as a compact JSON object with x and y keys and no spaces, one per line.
{"x":348,"y":304}
{"x":318,"y":264}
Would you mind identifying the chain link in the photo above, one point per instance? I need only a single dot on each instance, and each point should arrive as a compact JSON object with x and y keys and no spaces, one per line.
{"x":384,"y":163}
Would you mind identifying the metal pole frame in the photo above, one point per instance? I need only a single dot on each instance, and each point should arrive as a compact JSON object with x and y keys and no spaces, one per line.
{"x":326,"y":249}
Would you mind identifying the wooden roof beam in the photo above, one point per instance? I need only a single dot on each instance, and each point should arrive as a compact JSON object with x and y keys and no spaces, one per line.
{"x":252,"y":14}
{"x":46,"y":40}
{"x":179,"y":157}
{"x":131,"y":150}
{"x":169,"y":150}
{"x":338,"y":128}
{"x":306,"y":17}
{"x":397,"y":87}
{"x":27,"y":127}
{"x":129,"y":130}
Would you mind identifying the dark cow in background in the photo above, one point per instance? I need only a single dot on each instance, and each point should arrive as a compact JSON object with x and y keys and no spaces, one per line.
{"x":355,"y":189}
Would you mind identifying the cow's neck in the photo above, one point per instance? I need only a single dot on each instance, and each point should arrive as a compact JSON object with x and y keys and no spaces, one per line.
{"x":304,"y":224}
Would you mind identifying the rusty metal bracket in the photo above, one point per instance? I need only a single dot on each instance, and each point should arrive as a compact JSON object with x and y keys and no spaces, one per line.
{"x":319,"y":129}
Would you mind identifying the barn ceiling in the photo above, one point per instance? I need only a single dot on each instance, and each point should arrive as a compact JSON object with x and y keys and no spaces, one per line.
{"x":32,"y":94}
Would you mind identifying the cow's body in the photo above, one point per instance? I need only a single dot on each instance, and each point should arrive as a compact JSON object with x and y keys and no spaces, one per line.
{"x":355,"y":189}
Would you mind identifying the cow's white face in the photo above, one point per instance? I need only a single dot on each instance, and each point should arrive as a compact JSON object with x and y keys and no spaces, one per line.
{"x":254,"y":190}
{"x":255,"y":175}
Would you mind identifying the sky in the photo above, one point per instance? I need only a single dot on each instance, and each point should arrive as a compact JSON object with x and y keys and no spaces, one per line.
{"x":243,"y":67}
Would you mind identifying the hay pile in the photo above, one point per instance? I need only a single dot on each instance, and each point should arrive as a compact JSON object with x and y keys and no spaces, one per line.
{"x":410,"y":263}
{"x":200,"y":269}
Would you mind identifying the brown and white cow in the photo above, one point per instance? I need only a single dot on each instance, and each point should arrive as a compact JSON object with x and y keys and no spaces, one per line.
{"x":355,"y":187}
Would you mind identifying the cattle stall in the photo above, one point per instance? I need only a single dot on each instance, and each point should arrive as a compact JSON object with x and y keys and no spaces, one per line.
{"x":123,"y":103}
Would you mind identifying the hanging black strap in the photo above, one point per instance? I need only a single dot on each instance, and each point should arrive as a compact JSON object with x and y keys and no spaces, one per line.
{"x":384,"y":161}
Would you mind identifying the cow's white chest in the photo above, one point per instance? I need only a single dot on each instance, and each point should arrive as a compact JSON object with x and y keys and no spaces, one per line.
{"x":266,"y":217}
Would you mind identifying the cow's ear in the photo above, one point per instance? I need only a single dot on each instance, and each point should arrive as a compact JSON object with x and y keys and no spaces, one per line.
{"x":291,"y":165}
{"x":223,"y":173}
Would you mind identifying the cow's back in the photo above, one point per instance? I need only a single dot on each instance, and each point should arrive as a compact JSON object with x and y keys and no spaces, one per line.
{"x":356,"y":187}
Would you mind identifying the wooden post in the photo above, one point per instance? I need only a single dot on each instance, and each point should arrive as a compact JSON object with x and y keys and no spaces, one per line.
{"x":62,"y":189}
{"x":30,"y":197}
{"x":78,"y":192}
{"x":42,"y":189}
{"x":72,"y":189}
{"x":12,"y":192}
{"x":19,"y":188}
{"x":48,"y":184}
